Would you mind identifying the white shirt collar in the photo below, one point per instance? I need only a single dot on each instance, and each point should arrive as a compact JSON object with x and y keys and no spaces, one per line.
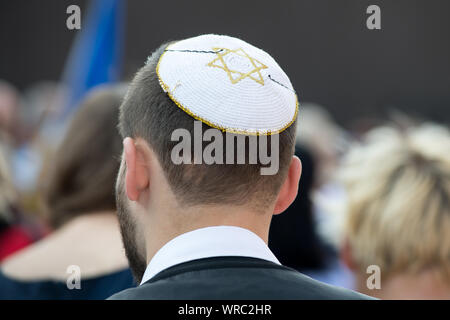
{"x":208,"y":242}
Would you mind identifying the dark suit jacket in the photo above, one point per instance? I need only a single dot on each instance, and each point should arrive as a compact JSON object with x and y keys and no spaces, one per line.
{"x":233,"y":278}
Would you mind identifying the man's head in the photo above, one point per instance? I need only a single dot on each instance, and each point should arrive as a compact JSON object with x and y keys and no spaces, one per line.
{"x":85,"y":165}
{"x":161,"y":199}
{"x":398,"y":212}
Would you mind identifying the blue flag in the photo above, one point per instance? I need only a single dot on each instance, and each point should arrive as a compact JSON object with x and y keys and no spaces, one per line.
{"x":96,"y":55}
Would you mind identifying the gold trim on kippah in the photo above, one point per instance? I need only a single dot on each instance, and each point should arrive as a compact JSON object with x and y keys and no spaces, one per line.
{"x":166,"y":89}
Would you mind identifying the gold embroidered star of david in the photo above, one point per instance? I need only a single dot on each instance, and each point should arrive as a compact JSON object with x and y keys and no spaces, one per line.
{"x":253,"y":74}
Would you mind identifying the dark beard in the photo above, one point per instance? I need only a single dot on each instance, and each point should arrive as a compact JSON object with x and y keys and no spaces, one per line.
{"x":136,"y":260}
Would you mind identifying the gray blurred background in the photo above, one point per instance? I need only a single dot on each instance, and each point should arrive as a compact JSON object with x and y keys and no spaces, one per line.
{"x":324,"y":45}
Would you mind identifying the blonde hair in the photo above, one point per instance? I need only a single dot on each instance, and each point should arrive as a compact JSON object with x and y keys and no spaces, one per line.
{"x":398,"y":209}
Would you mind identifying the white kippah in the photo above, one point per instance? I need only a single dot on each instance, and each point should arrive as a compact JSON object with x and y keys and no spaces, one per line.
{"x":228,"y":84}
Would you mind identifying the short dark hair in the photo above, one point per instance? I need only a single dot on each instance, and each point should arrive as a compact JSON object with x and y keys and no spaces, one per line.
{"x":83,"y":171}
{"x":149,"y":113}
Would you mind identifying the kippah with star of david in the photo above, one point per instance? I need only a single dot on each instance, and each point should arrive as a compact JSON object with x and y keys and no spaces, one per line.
{"x":228,"y":84}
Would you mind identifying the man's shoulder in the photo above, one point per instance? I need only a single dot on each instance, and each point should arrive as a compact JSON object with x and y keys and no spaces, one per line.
{"x":235,"y":278}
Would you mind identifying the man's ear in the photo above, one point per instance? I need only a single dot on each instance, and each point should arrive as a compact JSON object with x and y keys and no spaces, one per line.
{"x":289,"y":189}
{"x":137,"y":176}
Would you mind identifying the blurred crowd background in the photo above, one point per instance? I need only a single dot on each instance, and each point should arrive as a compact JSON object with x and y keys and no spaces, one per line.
{"x":372,"y":132}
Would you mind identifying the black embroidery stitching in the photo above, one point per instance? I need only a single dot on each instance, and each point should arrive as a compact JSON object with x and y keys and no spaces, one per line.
{"x":194,"y":51}
{"x":279,"y":83}
{"x":218,"y":51}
